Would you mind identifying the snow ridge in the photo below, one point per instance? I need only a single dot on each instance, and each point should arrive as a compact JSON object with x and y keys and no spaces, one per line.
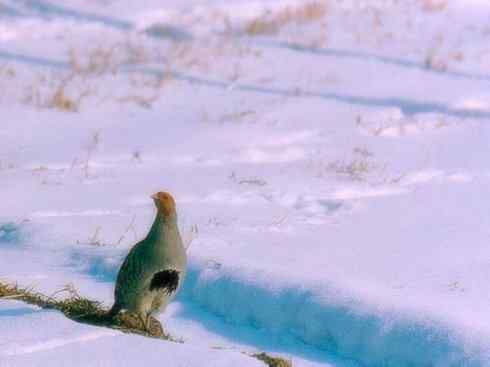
{"x":323,"y":316}
{"x":329,"y":322}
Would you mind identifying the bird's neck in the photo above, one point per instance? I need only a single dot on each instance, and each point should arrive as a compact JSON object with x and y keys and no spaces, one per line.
{"x":162,"y":224}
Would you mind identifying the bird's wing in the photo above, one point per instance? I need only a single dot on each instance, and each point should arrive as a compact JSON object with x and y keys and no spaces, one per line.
{"x":133,"y":273}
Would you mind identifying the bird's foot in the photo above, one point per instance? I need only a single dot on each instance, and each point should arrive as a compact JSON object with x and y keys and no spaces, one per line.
{"x":129,"y":320}
{"x":132,"y":321}
{"x":154,"y":327}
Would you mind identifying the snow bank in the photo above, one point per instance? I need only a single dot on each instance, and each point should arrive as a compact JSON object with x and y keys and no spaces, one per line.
{"x":319,"y":315}
{"x":328,"y":320}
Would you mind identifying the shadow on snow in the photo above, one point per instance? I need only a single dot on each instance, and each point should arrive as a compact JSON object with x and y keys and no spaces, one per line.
{"x":366,"y":56}
{"x":407,"y":106}
{"x":46,"y":9}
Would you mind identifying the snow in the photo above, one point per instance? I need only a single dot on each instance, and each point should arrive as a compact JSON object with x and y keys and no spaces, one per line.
{"x":67,"y":342}
{"x":336,"y":171}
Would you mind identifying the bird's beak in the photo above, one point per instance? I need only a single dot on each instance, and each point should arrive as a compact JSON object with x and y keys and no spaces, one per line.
{"x":154,"y":196}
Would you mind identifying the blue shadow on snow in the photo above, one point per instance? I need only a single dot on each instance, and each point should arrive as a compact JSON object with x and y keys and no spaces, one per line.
{"x":14,"y":312}
{"x":407,"y":106}
{"x":48,"y":9}
{"x":366,"y":56}
{"x":328,"y":326}
{"x":11,"y":234}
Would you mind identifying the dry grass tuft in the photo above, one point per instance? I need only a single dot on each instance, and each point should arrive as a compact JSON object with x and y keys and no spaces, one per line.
{"x":355,"y":170}
{"x":272,"y":361}
{"x":99,"y":60}
{"x":434,"y":5}
{"x":362,"y":166}
{"x":62,"y":102}
{"x":7,"y":72}
{"x":77,"y":308}
{"x":53,"y":93}
{"x":271,"y":22}
{"x":74,"y":306}
{"x":87,"y":75}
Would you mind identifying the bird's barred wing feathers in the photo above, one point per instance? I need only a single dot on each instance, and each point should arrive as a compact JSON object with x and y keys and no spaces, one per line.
{"x":130,"y":274}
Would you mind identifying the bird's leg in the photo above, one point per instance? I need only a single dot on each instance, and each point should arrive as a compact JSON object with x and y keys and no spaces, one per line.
{"x":156,"y":327}
{"x":144,"y":321}
{"x":148,"y":323}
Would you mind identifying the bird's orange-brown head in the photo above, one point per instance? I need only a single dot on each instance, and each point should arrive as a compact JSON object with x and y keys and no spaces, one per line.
{"x":165,"y":203}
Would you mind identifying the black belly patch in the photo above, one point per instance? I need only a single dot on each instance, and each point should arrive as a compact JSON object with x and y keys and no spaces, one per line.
{"x":166,"y":280}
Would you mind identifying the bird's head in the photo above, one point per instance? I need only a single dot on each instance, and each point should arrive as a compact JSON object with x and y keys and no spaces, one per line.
{"x":164,"y":202}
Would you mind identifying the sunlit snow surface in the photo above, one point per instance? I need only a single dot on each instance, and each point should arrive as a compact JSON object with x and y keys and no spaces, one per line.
{"x":336,"y":168}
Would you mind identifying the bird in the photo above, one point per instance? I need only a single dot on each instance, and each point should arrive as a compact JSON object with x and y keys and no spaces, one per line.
{"x":155,"y":267}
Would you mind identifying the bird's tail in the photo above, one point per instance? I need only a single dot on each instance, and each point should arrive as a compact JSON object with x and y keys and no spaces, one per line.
{"x":113,"y":311}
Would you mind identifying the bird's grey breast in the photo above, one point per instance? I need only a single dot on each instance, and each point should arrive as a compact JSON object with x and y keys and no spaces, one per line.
{"x":171,"y":252}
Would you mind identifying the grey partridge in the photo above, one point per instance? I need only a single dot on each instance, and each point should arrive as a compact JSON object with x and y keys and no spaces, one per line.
{"x":155,"y":267}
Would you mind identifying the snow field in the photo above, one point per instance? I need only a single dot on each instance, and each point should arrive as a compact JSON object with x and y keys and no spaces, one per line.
{"x":335,"y":167}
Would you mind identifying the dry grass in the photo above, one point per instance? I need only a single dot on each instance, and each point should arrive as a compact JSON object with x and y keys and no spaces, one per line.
{"x":76,"y":308}
{"x":272,"y":22}
{"x":142,"y":101}
{"x":361,"y":166}
{"x":98,"y":61}
{"x":207,"y":58}
{"x":83,"y":310}
{"x":108,"y":59}
{"x":252,"y":181}
{"x":434,"y":5}
{"x":7,"y":71}
{"x":52,"y":93}
{"x":435,"y":62}
{"x":87,"y":76}
{"x":129,"y":227}
{"x":105,"y":73}
{"x":355,"y":170}
{"x":95,"y":239}
{"x":237,"y":116}
{"x":91,"y":149}
{"x":273,"y":361}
